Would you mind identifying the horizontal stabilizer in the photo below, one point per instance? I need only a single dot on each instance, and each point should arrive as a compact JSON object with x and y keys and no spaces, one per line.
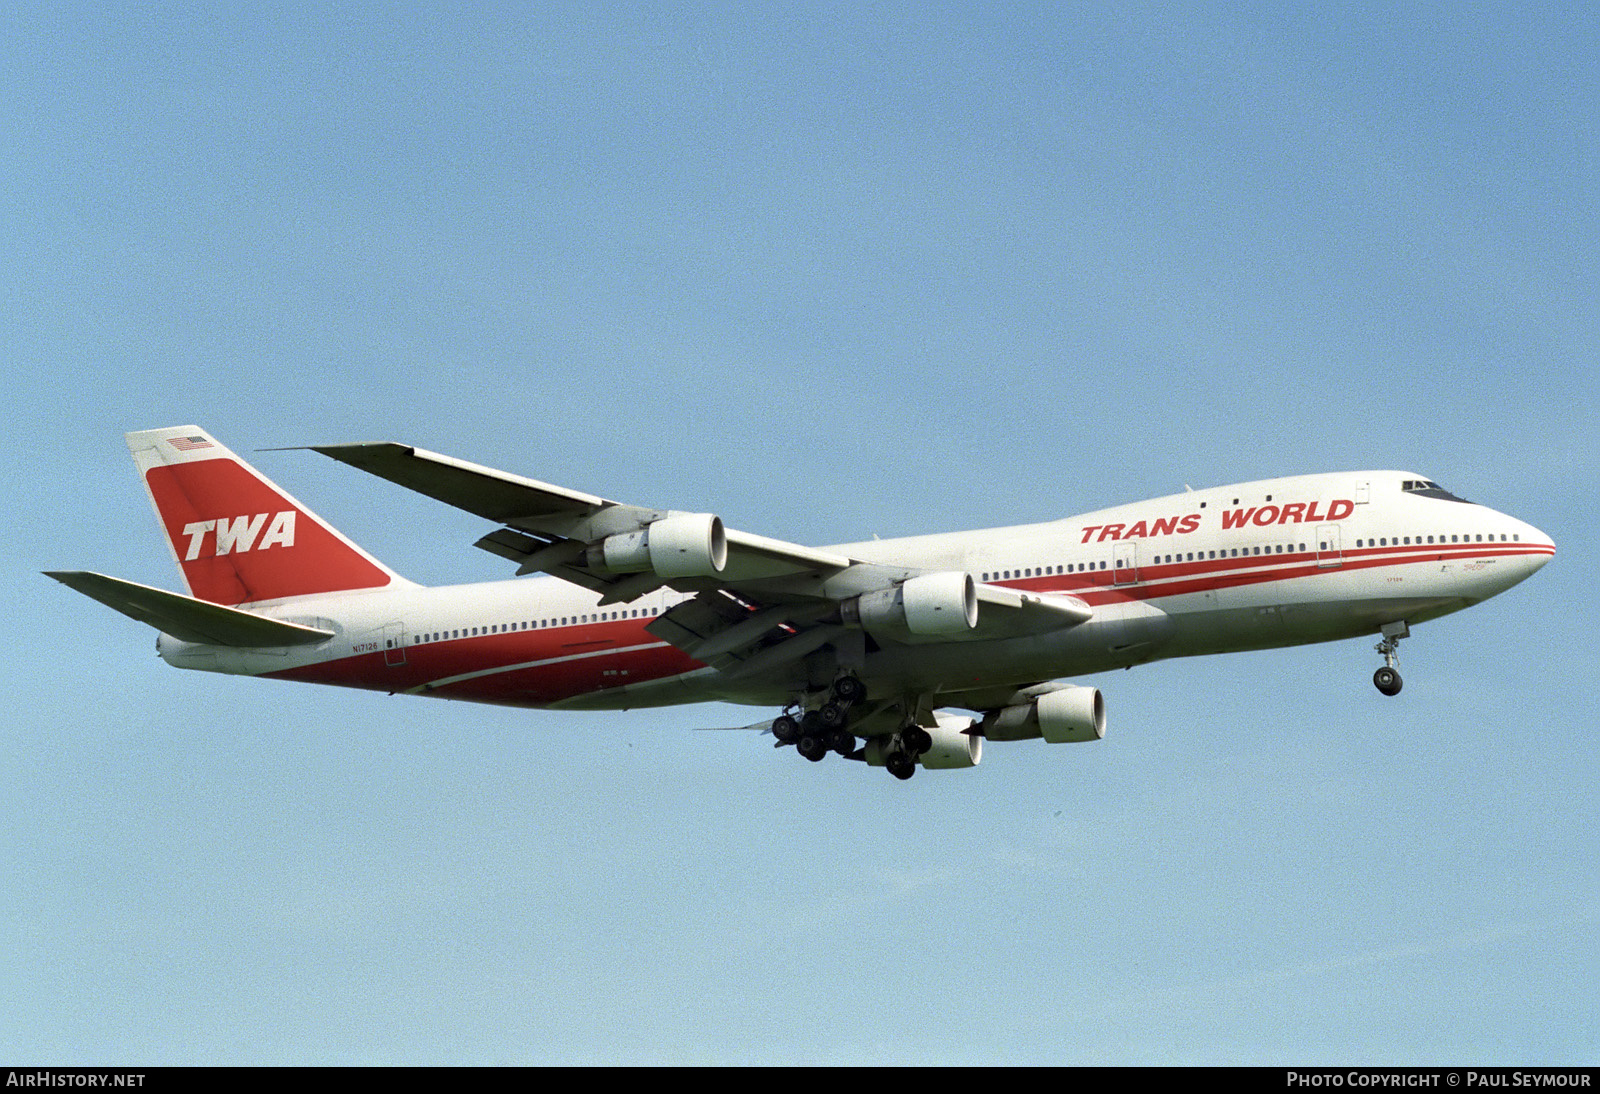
{"x":186,"y":618}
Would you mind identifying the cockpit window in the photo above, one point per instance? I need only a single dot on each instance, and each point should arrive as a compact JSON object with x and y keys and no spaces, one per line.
{"x":1423,"y":488}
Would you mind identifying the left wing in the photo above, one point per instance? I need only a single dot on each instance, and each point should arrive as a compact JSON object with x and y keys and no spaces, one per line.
{"x":552,"y":529}
{"x":757,"y":602}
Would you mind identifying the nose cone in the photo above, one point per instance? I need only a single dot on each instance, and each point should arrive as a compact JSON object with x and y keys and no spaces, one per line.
{"x":1527,"y":553}
{"x":1541,"y":548}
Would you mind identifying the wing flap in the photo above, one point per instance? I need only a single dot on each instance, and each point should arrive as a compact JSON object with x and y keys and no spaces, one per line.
{"x":720,"y":629}
{"x":187,"y":618}
{"x":1034,"y":611}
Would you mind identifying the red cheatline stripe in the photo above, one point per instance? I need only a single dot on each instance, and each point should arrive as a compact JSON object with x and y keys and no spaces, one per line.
{"x":494,"y":670}
{"x":1175,"y":578}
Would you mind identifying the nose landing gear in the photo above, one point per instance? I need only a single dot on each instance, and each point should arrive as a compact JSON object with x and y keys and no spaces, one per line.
{"x":1387,"y":679}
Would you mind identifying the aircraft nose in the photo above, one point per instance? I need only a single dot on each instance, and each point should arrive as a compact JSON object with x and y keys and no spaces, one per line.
{"x":1537,"y":549}
{"x":1546,"y":546}
{"x":1521,"y":551}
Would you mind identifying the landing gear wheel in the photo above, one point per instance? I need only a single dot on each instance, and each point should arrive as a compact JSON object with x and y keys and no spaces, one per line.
{"x":833,"y":715}
{"x":812,"y":748}
{"x":916,"y":740}
{"x":847,"y":689}
{"x":1388,"y":681}
{"x":785,"y":730}
{"x":842,"y":741}
{"x":901,"y":766}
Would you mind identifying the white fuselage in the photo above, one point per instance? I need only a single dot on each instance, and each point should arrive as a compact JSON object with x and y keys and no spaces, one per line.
{"x":1272,"y":563}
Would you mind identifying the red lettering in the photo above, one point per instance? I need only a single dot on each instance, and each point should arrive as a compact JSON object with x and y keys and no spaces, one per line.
{"x":1267,"y":514}
{"x":1312,"y":515}
{"x":1164,"y":526}
{"x":1137,"y":530}
{"x":1292,"y":512}
{"x":1089,"y":531}
{"x":1110,"y":531}
{"x":1189,"y":523}
{"x":1341,"y":509}
{"x":1238,"y":518}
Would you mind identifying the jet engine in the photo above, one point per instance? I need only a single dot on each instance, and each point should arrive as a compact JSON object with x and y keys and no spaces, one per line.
{"x":929,"y":606}
{"x":953,"y":746}
{"x":1059,"y":713}
{"x":677,"y":545}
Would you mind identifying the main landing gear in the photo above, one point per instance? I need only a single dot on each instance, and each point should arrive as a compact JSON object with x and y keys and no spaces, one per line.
{"x":914,"y":741}
{"x":827,"y":728}
{"x":817,"y":732}
{"x":1387,"y":679}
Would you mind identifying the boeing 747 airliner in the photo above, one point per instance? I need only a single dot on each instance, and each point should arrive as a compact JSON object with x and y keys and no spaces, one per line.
{"x":867,"y":648}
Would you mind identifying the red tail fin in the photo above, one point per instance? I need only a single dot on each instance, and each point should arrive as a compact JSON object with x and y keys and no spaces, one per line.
{"x":237,"y":538}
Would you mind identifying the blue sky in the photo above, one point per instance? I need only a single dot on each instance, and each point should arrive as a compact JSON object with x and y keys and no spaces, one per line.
{"x":831,"y":271}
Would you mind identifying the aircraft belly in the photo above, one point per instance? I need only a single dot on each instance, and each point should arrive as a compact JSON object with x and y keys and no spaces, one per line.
{"x":691,"y":687}
{"x":1330,"y":605}
{"x":1267,"y":625}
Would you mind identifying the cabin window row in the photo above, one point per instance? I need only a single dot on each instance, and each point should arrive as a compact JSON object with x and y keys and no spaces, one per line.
{"x":534,"y":624}
{"x":1231,"y":552}
{"x":1398,"y":541}
{"x":1040,"y":571}
{"x":1158,"y":560}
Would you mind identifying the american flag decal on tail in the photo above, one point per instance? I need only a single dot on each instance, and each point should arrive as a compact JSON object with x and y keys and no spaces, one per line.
{"x":189,"y":444}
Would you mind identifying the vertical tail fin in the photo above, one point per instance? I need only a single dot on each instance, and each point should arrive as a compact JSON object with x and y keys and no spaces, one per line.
{"x":237,"y":538}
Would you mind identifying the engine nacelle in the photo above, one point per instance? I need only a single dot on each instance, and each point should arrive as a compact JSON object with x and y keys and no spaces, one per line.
{"x":679,"y":545}
{"x":1060,"y":713}
{"x":1071,"y":714}
{"x":929,"y":606}
{"x":953,"y":747}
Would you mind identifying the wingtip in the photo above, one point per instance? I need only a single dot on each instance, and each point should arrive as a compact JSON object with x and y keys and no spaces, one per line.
{"x":348,"y":453}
